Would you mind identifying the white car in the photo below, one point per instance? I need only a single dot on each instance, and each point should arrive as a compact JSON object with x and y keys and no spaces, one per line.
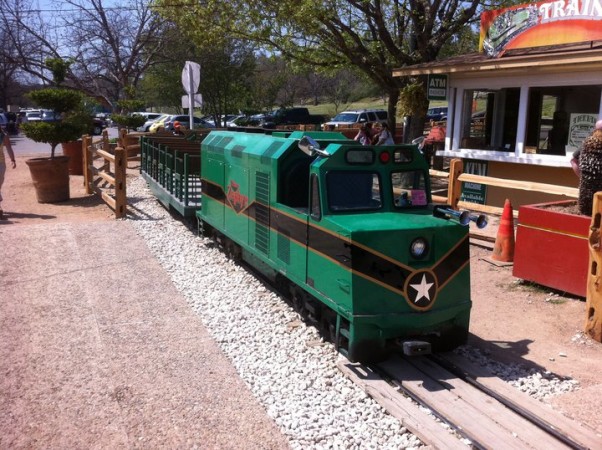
{"x":34,"y":115}
{"x":358,"y":116}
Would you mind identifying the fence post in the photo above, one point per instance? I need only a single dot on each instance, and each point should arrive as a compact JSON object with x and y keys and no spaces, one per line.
{"x":120,"y":183}
{"x":105,"y":140}
{"x":593,"y":305}
{"x":454,"y":186}
{"x":87,"y":157}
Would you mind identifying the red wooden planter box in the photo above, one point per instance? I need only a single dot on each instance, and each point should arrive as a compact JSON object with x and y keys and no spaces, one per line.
{"x":552,"y":247}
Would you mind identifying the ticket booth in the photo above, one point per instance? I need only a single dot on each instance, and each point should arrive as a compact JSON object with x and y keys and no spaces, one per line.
{"x":520,"y":106}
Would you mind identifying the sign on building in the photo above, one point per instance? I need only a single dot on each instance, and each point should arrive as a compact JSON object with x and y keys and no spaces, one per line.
{"x":474,"y":192}
{"x":437,"y":87}
{"x":580,"y":127}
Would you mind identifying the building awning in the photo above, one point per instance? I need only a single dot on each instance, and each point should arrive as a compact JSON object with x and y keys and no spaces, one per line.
{"x":543,"y":59}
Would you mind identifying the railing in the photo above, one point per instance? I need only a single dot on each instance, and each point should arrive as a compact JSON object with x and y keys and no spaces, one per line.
{"x":456,"y":177}
{"x":105,"y":172}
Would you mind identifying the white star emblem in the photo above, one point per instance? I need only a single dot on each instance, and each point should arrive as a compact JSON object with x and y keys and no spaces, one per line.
{"x":422,"y":289}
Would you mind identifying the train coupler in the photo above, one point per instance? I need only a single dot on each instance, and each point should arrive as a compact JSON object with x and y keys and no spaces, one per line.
{"x":416,"y":348}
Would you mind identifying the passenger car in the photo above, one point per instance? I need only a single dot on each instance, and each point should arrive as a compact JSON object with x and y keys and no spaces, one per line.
{"x":33,"y":115}
{"x":357,"y":116}
{"x":98,"y":125}
{"x":185,"y":122}
{"x":437,"y":114}
{"x":145,"y":127}
{"x":49,"y":116}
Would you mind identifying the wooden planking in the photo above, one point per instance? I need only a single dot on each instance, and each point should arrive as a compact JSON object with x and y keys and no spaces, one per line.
{"x":411,"y":415}
{"x":578,"y":432}
{"x":436,"y":394}
{"x":523,"y":185}
{"x":519,"y":427}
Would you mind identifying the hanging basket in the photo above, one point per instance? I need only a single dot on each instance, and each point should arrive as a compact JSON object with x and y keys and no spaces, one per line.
{"x":50,"y":178}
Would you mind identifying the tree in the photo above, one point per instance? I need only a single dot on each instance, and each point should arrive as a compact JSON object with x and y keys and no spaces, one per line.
{"x":371,"y":36}
{"x":111,"y":46}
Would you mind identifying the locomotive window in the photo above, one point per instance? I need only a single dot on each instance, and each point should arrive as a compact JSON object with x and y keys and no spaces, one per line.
{"x":403,"y":155}
{"x":409,"y":188}
{"x":351,"y":191}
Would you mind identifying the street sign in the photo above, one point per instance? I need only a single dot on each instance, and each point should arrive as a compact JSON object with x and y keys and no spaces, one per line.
{"x":437,"y":87}
{"x":197,"y":98}
{"x":191,"y":77}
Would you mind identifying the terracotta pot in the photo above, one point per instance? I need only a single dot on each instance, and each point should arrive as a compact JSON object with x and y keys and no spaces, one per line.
{"x":73,"y":150}
{"x":50,"y":178}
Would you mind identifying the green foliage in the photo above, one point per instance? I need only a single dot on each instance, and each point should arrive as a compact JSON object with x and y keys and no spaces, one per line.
{"x":130,"y":104}
{"x":60,"y":100}
{"x":59,"y":68}
{"x":53,"y":133}
{"x":75,"y":119}
{"x":412,"y":100}
{"x":369,"y":37}
{"x":131,"y":122}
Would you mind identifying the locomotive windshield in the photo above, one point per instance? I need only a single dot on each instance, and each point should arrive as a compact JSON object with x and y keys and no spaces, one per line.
{"x":409,"y":188}
{"x":353,"y":191}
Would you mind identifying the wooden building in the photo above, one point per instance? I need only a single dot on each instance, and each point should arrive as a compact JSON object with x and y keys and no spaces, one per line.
{"x":522,"y":105}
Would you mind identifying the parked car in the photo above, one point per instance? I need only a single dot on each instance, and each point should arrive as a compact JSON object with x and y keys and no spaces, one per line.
{"x":357,"y":116}
{"x":49,"y":116}
{"x":237,"y":121}
{"x":148,"y":115}
{"x":98,"y":125}
{"x":145,"y":127}
{"x":185,"y":122}
{"x":33,"y":115}
{"x":438,"y":114}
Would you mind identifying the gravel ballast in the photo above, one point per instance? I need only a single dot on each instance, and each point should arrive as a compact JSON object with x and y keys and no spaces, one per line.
{"x":285,"y":363}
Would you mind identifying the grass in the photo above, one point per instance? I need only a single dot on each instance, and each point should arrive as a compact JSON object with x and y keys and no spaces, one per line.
{"x":329,"y":109}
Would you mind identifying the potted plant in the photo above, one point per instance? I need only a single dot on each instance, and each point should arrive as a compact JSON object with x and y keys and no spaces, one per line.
{"x":51,"y":175}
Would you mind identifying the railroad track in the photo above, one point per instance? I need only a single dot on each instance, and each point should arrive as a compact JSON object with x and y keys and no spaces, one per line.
{"x":478,"y":409}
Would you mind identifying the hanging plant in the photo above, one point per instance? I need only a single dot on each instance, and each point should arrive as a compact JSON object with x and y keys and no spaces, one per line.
{"x":412,"y":99}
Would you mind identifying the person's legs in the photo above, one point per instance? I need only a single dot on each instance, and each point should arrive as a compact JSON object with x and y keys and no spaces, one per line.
{"x":2,"y":172}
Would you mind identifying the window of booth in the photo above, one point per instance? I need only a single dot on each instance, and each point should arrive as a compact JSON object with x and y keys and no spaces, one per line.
{"x":489,"y":119}
{"x":558,"y":118}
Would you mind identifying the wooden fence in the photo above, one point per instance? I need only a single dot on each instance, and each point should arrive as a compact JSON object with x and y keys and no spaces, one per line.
{"x":105,"y":172}
{"x":456,"y":176}
{"x":130,"y":142}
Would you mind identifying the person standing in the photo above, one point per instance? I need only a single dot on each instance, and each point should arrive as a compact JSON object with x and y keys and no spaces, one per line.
{"x":5,"y":144}
{"x":590,"y":168}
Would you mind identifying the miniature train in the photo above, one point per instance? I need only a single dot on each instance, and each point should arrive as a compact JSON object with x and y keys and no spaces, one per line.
{"x":349,"y":231}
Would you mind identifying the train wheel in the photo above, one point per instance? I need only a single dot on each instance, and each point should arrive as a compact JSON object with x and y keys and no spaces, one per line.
{"x":205,"y":229}
{"x":328,"y":326}
{"x":298,"y":300}
{"x":233,"y":251}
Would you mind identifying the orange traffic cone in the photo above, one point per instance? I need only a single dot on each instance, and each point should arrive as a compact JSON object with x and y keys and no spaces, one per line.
{"x":503,"y":249}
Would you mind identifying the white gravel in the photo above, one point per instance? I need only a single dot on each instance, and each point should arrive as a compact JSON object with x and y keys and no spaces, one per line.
{"x":285,"y":363}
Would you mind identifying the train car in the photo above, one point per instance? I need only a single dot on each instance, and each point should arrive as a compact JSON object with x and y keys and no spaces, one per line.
{"x":349,"y":230}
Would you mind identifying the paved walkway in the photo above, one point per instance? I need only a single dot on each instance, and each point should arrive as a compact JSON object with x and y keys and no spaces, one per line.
{"x":97,"y":348}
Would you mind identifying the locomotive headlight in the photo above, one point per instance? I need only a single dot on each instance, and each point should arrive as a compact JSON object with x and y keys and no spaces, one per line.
{"x":418,"y":248}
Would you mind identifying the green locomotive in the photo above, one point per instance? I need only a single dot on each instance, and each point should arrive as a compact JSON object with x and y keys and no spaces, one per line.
{"x":349,"y":230}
